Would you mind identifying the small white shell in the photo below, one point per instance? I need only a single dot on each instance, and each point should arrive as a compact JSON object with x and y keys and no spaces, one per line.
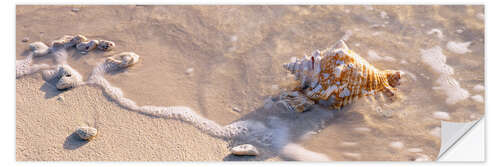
{"x":245,"y":149}
{"x":76,"y":40}
{"x":87,"y":46}
{"x":67,"y":77}
{"x":105,"y":45}
{"x":39,"y":49}
{"x":86,"y":133}
{"x":124,"y":59}
{"x":62,"y":42}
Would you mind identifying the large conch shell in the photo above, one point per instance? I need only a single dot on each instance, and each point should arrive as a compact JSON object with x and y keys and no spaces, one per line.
{"x":339,"y":76}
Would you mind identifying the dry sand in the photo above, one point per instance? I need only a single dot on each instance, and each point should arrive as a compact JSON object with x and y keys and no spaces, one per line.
{"x":236,"y":54}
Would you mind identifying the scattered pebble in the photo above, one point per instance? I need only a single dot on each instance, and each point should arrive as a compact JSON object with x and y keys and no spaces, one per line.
{"x":60,"y":98}
{"x":362,"y":129}
{"x":189,"y":71}
{"x":245,"y":149}
{"x":75,"y":10}
{"x":396,"y":145}
{"x":83,"y":52}
{"x":436,"y":132}
{"x":477,"y":98}
{"x":236,"y":109}
{"x":25,"y":39}
{"x":460,"y":31}
{"x":357,"y":44}
{"x":478,"y":88}
{"x":415,"y":150}
{"x":441,"y":115}
{"x":86,"y":133}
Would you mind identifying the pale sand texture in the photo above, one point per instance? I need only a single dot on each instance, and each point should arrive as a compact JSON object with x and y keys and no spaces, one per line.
{"x":236,"y":53}
{"x":122,"y":135}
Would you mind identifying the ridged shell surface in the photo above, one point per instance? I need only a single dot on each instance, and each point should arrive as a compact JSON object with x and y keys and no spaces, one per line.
{"x":339,"y":76}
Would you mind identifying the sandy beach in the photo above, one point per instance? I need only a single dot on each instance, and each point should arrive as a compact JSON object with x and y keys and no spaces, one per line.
{"x":223,"y":62}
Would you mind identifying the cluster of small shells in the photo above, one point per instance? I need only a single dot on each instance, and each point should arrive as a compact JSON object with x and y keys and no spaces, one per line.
{"x":82,"y":43}
{"x":66,"y":77}
{"x":337,"y":76}
{"x":63,"y":75}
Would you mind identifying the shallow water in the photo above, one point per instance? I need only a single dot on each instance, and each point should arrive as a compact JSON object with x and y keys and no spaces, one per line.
{"x":237,"y":53}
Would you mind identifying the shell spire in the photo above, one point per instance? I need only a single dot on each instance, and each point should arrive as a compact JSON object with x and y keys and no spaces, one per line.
{"x":339,"y":76}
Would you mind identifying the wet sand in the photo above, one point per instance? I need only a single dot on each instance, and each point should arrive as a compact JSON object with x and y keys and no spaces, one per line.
{"x":236,"y":54}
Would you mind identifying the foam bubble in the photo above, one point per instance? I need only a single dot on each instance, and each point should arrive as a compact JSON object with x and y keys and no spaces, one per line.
{"x":415,"y":150}
{"x":348,"y":144}
{"x":436,"y":31}
{"x":458,"y":47}
{"x":352,"y":155}
{"x":452,"y":89}
{"x":441,"y":115}
{"x":478,"y":88}
{"x":297,"y":152}
{"x":26,"y":66}
{"x":477,"y":98}
{"x":435,"y":58}
{"x":396,"y":145}
{"x":436,"y":132}
{"x":372,"y":55}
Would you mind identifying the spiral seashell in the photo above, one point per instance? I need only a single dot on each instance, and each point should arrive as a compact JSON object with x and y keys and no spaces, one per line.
{"x":124,"y":59}
{"x":87,"y":46}
{"x":339,"y":76}
{"x":105,"y":45}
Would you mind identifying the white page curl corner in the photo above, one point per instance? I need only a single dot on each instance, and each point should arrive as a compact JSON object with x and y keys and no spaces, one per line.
{"x":452,"y":132}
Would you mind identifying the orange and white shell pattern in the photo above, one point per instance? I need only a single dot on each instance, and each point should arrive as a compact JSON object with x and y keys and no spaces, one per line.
{"x":339,"y":76}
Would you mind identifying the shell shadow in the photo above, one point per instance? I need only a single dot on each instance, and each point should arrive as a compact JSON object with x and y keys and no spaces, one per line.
{"x":289,"y":128}
{"x":73,"y":142}
{"x":50,"y":90}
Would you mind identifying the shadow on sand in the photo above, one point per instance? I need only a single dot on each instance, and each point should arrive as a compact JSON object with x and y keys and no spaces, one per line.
{"x":73,"y":142}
